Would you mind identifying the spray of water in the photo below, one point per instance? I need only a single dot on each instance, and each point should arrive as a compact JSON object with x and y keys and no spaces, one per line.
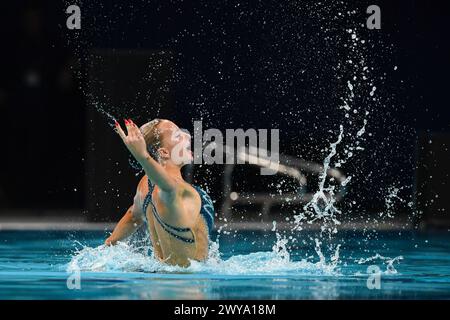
{"x":125,"y":257}
{"x":389,"y":262}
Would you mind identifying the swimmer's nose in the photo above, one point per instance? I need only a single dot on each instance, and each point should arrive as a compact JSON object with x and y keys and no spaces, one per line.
{"x":187,"y":136}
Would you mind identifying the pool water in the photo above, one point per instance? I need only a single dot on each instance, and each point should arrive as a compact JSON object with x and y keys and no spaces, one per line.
{"x":38,"y":264}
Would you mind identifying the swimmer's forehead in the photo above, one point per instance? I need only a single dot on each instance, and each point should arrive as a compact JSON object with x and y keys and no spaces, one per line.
{"x":161,"y":125}
{"x":167,"y":125}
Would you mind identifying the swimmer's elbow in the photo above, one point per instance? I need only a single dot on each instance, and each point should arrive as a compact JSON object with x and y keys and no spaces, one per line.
{"x":137,"y":216}
{"x":137,"y":220}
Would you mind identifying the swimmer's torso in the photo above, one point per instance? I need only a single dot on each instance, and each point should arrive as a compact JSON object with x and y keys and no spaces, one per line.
{"x":182,"y":212}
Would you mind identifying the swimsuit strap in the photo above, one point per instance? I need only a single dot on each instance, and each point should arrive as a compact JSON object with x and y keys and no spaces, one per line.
{"x":167,"y":227}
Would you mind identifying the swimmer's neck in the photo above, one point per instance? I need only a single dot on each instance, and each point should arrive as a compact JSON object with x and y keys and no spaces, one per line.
{"x":172,"y":170}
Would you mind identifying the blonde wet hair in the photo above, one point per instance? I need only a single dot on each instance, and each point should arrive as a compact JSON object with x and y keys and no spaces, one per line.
{"x":152,"y":137}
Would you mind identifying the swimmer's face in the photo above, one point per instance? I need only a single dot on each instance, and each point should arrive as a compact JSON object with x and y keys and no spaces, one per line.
{"x":175,"y":143}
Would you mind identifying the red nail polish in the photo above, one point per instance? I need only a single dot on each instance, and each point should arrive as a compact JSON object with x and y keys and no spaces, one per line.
{"x":126,"y":121}
{"x":116,"y":123}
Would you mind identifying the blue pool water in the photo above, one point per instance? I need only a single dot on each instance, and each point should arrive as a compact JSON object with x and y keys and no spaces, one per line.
{"x":37,"y":264}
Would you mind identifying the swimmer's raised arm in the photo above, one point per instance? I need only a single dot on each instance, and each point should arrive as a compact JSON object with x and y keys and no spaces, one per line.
{"x":135,"y":143}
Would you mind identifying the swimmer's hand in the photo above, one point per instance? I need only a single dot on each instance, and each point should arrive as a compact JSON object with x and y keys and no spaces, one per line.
{"x":134,"y":140}
{"x":110,"y":242}
{"x":135,"y":143}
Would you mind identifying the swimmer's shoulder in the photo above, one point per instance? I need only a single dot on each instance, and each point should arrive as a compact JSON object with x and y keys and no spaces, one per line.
{"x":184,"y":191}
{"x":192,"y":200}
{"x":187,"y":190}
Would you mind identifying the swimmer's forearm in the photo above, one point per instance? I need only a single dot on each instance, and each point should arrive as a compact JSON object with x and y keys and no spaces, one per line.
{"x":125,"y":227}
{"x":157,"y":174}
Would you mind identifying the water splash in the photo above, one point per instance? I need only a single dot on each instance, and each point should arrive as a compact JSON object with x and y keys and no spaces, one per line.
{"x":389,"y":262}
{"x":390,"y":201}
{"x":124,"y":257}
{"x":334,"y":259}
{"x":322,"y":205}
{"x":322,"y":209}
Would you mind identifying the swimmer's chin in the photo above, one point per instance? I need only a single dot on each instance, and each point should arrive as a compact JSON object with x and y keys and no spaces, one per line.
{"x":185,"y":160}
{"x":188,"y":157}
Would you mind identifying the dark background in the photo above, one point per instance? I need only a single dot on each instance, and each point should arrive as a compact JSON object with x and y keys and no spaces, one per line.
{"x":233,"y":64}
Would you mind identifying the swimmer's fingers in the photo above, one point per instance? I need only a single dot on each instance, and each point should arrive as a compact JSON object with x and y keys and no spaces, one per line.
{"x":133,"y":140}
{"x":110,"y":242}
{"x":129,"y":127}
{"x":134,"y":129}
{"x":120,"y":131}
